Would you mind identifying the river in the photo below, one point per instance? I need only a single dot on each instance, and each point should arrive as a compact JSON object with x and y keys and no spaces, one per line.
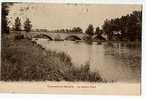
{"x":116,"y":61}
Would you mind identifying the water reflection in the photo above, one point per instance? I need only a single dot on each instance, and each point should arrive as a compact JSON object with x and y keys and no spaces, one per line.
{"x":113,"y":61}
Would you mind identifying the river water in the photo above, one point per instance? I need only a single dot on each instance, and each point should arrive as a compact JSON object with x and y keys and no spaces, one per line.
{"x":116,"y":61}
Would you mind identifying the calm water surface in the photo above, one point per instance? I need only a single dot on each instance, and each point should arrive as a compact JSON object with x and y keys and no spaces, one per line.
{"x":113,"y":61}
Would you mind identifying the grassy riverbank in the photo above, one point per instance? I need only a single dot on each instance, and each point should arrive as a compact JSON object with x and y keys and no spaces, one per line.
{"x":24,"y":60}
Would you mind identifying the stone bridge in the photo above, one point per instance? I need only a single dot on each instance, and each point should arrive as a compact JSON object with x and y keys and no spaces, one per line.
{"x":58,"y":36}
{"x":62,"y":36}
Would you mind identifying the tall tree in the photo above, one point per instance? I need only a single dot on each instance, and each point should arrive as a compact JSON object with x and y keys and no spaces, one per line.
{"x":27,"y":25}
{"x":17,"y":25}
{"x":97,"y":31}
{"x":138,"y":15}
{"x":79,"y":29}
{"x":131,"y":27}
{"x":107,"y":29}
{"x":4,"y":19}
{"x":90,"y":30}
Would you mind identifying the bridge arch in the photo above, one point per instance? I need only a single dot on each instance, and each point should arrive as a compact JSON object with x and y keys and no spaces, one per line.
{"x":72,"y":38}
{"x":43,"y":36}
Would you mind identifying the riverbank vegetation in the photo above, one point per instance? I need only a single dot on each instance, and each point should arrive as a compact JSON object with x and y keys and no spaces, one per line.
{"x":24,"y":60}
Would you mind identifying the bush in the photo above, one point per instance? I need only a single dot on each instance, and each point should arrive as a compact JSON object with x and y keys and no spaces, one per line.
{"x":25,"y":61}
{"x":19,"y":37}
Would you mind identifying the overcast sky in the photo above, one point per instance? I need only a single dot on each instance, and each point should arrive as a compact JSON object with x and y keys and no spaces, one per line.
{"x":57,"y":16}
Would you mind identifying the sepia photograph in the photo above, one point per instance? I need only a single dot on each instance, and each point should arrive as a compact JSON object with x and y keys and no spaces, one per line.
{"x":89,"y":44}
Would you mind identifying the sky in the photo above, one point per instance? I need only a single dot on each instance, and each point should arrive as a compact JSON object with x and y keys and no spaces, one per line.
{"x":58,"y":16}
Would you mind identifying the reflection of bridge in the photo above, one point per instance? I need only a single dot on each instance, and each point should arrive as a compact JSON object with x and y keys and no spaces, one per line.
{"x":58,"y":36}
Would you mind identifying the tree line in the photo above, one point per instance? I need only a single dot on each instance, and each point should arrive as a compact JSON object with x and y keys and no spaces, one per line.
{"x":27,"y":27}
{"x":127,"y":27}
